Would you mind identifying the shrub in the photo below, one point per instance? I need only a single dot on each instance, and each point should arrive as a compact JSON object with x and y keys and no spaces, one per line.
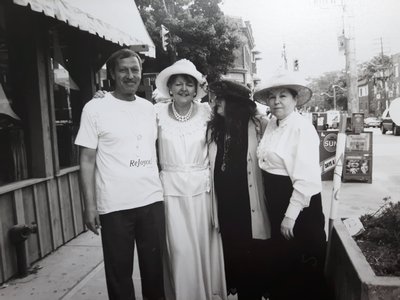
{"x":380,"y":242}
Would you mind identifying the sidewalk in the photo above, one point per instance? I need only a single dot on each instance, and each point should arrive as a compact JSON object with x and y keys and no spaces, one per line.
{"x":75,"y":271}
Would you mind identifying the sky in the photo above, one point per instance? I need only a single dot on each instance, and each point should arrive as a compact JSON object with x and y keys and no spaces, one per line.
{"x":310,"y":29}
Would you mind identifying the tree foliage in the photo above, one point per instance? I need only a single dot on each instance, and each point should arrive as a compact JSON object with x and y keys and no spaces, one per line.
{"x":198,"y":32}
{"x":323,"y":86}
{"x":372,"y":68}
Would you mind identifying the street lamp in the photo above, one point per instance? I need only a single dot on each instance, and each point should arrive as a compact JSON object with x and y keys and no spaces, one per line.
{"x":334,"y":86}
{"x":334,"y":94}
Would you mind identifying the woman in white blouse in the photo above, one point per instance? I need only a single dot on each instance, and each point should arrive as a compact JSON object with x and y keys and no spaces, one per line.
{"x":288,"y":154}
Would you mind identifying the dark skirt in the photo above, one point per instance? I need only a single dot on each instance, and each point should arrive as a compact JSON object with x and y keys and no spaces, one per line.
{"x":298,"y":262}
{"x":244,"y":256}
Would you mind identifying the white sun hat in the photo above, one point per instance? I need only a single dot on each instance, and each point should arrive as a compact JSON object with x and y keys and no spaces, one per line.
{"x":284,"y":80}
{"x":182,"y":66}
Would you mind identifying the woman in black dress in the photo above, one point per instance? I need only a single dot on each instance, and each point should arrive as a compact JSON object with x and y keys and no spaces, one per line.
{"x":289,"y":156}
{"x":233,"y":134}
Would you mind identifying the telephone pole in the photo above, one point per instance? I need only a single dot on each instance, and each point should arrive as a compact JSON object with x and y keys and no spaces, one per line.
{"x":347,"y":41}
{"x":353,"y":104}
{"x":284,"y":57}
{"x":384,"y":98}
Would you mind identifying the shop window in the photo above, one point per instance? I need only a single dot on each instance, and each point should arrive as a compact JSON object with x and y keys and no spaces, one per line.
{"x":63,"y":88}
{"x":13,"y":158}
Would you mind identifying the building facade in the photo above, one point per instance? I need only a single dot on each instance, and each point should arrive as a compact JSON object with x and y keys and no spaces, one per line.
{"x":246,"y":56}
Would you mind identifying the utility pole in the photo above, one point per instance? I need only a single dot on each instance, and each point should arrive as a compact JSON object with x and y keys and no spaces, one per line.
{"x":384,"y":98}
{"x":351,"y":77}
{"x":347,"y":41}
{"x":351,"y":65}
{"x":284,"y":57}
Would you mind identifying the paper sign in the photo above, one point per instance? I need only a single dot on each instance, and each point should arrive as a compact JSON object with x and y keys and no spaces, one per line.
{"x":354,"y":226}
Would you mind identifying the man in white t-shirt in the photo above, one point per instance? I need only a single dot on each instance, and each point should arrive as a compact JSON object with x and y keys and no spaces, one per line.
{"x":119,"y":177}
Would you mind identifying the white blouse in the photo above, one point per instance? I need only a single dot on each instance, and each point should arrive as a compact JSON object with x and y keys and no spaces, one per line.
{"x":292,"y":149}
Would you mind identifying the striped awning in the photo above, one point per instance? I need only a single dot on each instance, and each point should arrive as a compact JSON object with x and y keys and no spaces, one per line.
{"x":117,"y":21}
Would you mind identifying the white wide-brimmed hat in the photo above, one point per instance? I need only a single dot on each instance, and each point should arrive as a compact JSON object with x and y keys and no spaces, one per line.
{"x":182,"y":66}
{"x":284,"y":80}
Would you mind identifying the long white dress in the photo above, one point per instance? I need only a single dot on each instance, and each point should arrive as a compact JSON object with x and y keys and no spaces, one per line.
{"x":194,"y":262}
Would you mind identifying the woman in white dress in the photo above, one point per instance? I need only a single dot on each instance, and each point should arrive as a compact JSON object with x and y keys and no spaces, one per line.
{"x":194,"y":257}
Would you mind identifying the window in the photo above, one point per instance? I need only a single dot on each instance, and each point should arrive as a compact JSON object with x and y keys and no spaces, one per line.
{"x":65,"y":106}
{"x":13,"y":158}
{"x":363,"y":91}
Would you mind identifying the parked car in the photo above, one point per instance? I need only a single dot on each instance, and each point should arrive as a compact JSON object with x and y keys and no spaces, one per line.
{"x":387,"y":124}
{"x":372,"y":122}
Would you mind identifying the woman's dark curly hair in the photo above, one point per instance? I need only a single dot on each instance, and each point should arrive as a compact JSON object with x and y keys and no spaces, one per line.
{"x":239,"y":109}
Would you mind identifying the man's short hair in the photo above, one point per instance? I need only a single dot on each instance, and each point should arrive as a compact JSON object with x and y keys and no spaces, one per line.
{"x":121,"y":54}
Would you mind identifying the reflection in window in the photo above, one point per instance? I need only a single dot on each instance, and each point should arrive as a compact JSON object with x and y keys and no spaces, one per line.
{"x":13,"y":161}
{"x":102,"y":82}
{"x":63,"y":85}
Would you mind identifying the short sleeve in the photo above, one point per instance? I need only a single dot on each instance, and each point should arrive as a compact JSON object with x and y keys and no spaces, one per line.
{"x":88,"y":134}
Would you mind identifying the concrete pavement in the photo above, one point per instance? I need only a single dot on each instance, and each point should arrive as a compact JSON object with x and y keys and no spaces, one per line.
{"x":75,"y":271}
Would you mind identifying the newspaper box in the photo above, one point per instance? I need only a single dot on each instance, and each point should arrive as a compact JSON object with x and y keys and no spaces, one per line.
{"x":357,"y":164}
{"x":319,"y":120}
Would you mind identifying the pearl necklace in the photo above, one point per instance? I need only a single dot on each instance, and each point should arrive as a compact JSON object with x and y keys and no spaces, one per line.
{"x":179,"y":117}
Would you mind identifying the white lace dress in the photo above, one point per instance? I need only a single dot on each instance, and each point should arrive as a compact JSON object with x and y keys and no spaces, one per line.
{"x":194,"y":262}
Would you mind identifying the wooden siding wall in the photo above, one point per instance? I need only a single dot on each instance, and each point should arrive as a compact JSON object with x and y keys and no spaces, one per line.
{"x":54,"y":204}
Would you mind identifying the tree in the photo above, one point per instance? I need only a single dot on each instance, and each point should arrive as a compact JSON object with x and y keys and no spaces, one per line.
{"x":198,"y":32}
{"x":373,"y":67}
{"x":322,"y":88}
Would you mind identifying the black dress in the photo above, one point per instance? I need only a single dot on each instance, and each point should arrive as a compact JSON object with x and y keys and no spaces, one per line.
{"x":299,"y":262}
{"x":243,"y":255}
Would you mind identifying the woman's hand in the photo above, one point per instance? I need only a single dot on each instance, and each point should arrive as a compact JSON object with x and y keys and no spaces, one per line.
{"x":287,"y":226}
{"x":99,"y":94}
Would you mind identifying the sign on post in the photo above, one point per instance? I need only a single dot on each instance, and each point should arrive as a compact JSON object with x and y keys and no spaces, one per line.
{"x":327,"y":151}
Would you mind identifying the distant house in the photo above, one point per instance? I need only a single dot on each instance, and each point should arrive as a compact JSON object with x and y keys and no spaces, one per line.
{"x":245,"y":68}
{"x":381,"y":88}
{"x":396,"y":75}
{"x":365,"y":97}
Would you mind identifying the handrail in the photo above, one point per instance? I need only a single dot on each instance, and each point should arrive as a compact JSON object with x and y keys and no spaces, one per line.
{"x":32,"y":181}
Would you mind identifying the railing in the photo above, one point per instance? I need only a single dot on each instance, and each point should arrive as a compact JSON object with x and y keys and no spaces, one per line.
{"x":53,"y":204}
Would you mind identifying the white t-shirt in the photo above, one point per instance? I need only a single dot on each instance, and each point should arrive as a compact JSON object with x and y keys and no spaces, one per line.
{"x":124,"y":134}
{"x":292,"y":149}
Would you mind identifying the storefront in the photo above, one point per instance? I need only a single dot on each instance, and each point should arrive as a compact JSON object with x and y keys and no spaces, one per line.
{"x":51,"y":54}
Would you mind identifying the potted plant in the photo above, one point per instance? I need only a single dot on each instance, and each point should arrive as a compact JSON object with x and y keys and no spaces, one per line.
{"x":368,"y":265}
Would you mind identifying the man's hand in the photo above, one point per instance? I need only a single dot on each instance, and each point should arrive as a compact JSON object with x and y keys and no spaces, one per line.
{"x":99,"y":94}
{"x":92,"y":220}
{"x":287,"y":228}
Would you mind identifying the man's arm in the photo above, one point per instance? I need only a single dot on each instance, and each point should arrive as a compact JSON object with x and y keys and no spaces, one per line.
{"x":88,"y":162}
